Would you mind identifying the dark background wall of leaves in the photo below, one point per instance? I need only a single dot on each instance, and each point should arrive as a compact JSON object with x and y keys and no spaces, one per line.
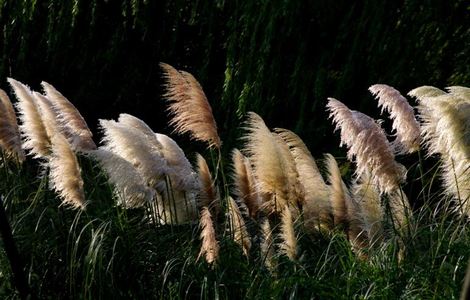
{"x":278,"y":58}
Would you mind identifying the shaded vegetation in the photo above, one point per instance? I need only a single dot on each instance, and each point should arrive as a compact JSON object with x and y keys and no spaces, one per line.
{"x":277,"y":58}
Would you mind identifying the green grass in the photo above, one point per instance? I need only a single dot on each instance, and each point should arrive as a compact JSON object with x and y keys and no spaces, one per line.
{"x":107,"y":251}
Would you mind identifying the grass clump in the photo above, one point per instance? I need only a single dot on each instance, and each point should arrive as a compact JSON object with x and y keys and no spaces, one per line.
{"x":151,"y":225}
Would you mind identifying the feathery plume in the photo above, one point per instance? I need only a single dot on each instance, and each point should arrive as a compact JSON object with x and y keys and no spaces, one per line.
{"x":371,"y":210}
{"x":425,"y":91}
{"x":10,"y":140}
{"x":35,"y":138}
{"x":181,"y":172}
{"x":296,"y":197}
{"x":267,"y":245}
{"x":456,"y":180}
{"x":459,"y":91}
{"x":208,"y":193}
{"x":179,"y":198}
{"x":128,"y":183}
{"x":48,"y":114}
{"x":445,"y":132}
{"x":404,"y":122}
{"x":338,"y":191}
{"x":368,"y":145}
{"x":317,"y":207}
{"x":288,"y":246}
{"x":139,"y":125}
{"x":189,"y":107}
{"x":444,"y":122}
{"x":134,"y":146}
{"x":65,"y":173}
{"x":346,"y":210}
{"x":210,"y":246}
{"x":77,"y":131}
{"x":237,"y":227}
{"x":275,"y":174}
{"x":399,"y":209}
{"x":178,"y":207}
{"x":245,"y":187}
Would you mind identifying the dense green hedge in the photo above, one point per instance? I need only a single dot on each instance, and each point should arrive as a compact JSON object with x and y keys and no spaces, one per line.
{"x":278,"y":58}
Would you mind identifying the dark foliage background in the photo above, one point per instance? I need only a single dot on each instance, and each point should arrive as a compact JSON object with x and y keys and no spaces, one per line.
{"x":278,"y":58}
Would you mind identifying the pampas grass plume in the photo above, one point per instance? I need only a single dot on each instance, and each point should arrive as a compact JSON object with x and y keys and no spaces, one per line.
{"x":404,"y":122}
{"x":238,"y":228}
{"x":267,"y":245}
{"x":208,"y":194}
{"x":338,"y":191}
{"x":288,"y":246}
{"x":368,"y":146}
{"x":371,"y":210}
{"x":48,"y":114}
{"x":459,"y":91}
{"x":273,"y":165}
{"x":134,"y":146}
{"x":10,"y":139}
{"x":35,"y":138}
{"x":190,"y":109}
{"x":316,"y":206}
{"x":70,"y":118}
{"x":210,"y":246}
{"x":128,"y":183}
{"x":424,"y":92}
{"x":245,"y":187}
{"x":64,"y":173}
{"x":181,"y":172}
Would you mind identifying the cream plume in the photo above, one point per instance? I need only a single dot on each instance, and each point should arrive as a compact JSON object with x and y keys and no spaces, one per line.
{"x":141,"y":126}
{"x":274,"y":171}
{"x":459,"y":91}
{"x":48,"y":114}
{"x":181,"y":172}
{"x":368,"y":146}
{"x":346,"y":210}
{"x":76,"y":129}
{"x":10,"y":139}
{"x":237,"y":227}
{"x":245,"y":188}
{"x":444,"y":122}
{"x":208,"y":194}
{"x":400,"y":210}
{"x":288,"y":246}
{"x":297,"y":196}
{"x":189,"y":107}
{"x":371,"y":210}
{"x":65,"y":173}
{"x":444,"y":127}
{"x":267,"y":245}
{"x":210,"y":246}
{"x":425,"y":91}
{"x":134,"y":146}
{"x":179,"y":198}
{"x":338,"y":192}
{"x":317,"y":207}
{"x":178,"y":207}
{"x":129,"y":185}
{"x":35,"y":138}
{"x":404,"y":122}
{"x":456,"y":178}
